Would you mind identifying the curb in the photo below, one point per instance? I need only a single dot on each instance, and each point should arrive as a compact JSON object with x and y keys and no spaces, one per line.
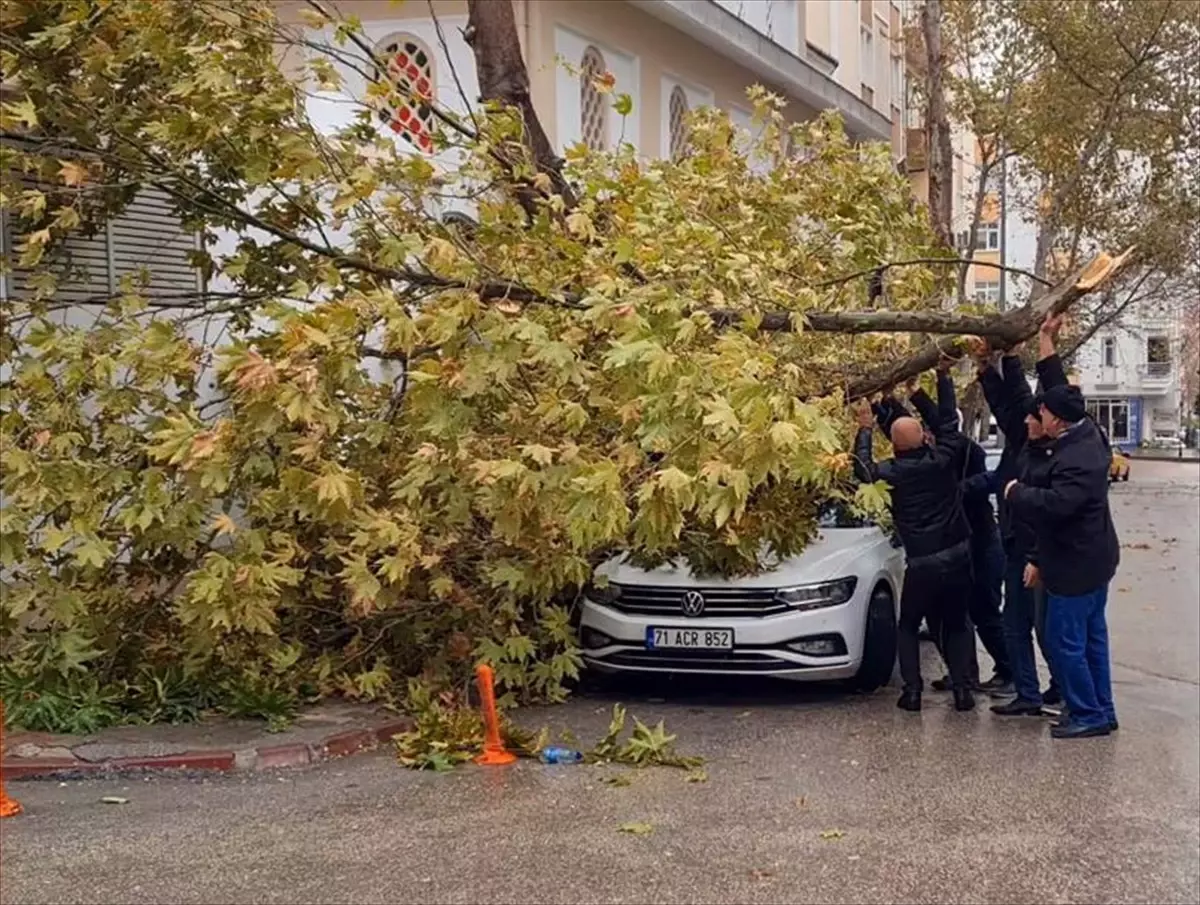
{"x":264,"y":757}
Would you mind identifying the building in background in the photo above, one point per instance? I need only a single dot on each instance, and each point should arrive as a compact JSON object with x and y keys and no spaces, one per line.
{"x":1131,"y":374}
{"x":669,"y":56}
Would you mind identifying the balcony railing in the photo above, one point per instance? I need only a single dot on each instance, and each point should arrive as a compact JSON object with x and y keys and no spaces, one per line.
{"x":1156,"y":370}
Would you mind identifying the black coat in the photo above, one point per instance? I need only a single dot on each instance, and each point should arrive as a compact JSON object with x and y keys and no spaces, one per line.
{"x":926,"y":496}
{"x":1078,"y":550}
{"x":1009,"y":398}
{"x":977,"y":506}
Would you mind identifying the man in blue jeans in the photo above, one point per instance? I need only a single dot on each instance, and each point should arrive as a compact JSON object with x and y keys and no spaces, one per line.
{"x":1078,"y":556}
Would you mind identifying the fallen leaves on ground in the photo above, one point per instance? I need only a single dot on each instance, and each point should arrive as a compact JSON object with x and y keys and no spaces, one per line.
{"x":697,"y":776}
{"x":636,"y":828}
{"x":114,"y":799}
{"x":832,"y":834}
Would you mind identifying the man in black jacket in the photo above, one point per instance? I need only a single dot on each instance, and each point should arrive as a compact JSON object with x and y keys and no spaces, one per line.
{"x":928,"y":515}
{"x":1026,"y":457}
{"x":987,"y":556}
{"x":1078,"y":555}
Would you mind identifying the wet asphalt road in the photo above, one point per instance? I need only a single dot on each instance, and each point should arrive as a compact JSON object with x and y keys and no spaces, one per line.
{"x":940,"y":807}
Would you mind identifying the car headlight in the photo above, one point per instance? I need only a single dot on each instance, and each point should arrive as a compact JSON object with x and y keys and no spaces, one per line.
{"x":605,"y":595}
{"x":818,"y":596}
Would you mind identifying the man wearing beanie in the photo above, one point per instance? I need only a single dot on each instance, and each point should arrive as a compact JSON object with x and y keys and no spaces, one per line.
{"x":1078,"y":552}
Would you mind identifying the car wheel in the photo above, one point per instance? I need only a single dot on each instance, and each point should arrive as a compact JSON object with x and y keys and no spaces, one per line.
{"x":879,"y":643}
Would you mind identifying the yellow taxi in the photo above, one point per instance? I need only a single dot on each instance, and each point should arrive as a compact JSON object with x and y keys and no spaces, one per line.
{"x":1118,"y":470}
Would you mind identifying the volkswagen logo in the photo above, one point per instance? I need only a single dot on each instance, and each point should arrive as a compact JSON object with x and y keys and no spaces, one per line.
{"x":693,"y":603}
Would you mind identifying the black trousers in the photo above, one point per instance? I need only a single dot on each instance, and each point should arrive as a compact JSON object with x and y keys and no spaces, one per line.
{"x":940,"y":595}
{"x":987,"y":560}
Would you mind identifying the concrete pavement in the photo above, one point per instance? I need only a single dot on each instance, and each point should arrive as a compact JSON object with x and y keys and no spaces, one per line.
{"x":939,"y":807}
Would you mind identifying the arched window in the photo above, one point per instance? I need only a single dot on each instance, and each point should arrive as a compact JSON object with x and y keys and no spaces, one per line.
{"x":593,"y":111}
{"x":409,"y":70}
{"x":677,"y":110}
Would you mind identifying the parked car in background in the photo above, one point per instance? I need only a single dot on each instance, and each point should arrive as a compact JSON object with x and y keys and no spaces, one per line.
{"x":827,"y":614}
{"x":1118,"y":470}
{"x":991,"y":457}
{"x":1165,"y":442}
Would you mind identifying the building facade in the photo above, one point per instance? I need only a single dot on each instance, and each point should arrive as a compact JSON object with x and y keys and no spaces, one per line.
{"x":1131,"y":374}
{"x":669,"y":56}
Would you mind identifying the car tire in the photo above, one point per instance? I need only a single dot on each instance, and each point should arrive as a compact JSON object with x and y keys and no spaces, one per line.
{"x":879,"y":643}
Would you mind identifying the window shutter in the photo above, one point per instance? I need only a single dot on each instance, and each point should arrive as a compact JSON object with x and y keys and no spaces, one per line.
{"x":147,"y":238}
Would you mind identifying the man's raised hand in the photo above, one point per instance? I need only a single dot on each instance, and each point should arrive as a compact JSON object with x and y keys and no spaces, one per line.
{"x":1052,"y":324}
{"x":863,"y":414}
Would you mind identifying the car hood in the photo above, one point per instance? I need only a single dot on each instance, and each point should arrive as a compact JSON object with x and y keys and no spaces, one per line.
{"x":831,"y":555}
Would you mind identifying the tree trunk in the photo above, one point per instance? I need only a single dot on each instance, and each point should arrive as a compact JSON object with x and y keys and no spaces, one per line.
{"x":937,"y":127}
{"x":503,"y":79}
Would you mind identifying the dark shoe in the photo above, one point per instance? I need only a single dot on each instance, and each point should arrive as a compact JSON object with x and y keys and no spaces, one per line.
{"x":944,"y":684}
{"x":1017,"y":707}
{"x":1075,"y":730}
{"x":910,"y":701}
{"x":998,"y":685}
{"x":964,"y":699}
{"x":1052,"y":697}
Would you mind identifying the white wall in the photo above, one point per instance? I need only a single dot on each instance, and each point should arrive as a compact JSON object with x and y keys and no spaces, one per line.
{"x":697,"y":97}
{"x":570,"y":46}
{"x":779,"y":20}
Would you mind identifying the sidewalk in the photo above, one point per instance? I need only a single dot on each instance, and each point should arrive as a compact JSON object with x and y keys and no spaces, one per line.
{"x":1165,"y":455}
{"x":329,"y":730}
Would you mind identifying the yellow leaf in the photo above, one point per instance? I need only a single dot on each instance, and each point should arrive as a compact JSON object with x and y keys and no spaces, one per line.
{"x":223,"y":524}
{"x":636,"y":828}
{"x":832,"y":834}
{"x":332,"y":487}
{"x":73,"y":173}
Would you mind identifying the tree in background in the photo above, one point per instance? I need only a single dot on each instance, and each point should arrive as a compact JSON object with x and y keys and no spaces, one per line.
{"x":609,"y":356}
{"x":1092,"y":107}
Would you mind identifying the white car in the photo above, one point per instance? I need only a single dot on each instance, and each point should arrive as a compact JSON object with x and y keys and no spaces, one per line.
{"x":826,"y":614}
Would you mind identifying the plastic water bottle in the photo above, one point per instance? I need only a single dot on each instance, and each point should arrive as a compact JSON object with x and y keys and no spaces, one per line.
{"x":555,"y":754}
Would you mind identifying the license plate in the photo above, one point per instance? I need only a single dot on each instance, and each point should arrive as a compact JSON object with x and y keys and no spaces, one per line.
{"x":697,"y":638}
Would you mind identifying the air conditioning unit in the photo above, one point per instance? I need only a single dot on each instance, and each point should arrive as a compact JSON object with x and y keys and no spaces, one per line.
{"x":917,"y":152}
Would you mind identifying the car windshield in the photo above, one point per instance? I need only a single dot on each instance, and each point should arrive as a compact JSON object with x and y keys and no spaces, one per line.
{"x":837,"y":514}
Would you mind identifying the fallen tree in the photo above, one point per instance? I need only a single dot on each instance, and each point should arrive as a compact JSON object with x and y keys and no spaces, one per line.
{"x":380,"y":442}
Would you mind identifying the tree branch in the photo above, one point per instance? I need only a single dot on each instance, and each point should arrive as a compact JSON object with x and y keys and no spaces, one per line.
{"x":1011,"y":328}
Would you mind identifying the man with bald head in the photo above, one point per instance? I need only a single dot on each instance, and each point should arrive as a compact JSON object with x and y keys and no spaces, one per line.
{"x":928,"y":513}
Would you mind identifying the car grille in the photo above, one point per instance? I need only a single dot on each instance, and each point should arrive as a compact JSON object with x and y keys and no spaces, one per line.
{"x":654,"y":601}
{"x":699,"y":660}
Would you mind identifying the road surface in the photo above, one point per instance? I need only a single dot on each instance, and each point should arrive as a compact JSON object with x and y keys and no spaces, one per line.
{"x":812,"y":796}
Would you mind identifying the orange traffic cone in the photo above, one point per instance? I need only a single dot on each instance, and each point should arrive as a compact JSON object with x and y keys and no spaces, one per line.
{"x":494,"y":752}
{"x":9,"y":807}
